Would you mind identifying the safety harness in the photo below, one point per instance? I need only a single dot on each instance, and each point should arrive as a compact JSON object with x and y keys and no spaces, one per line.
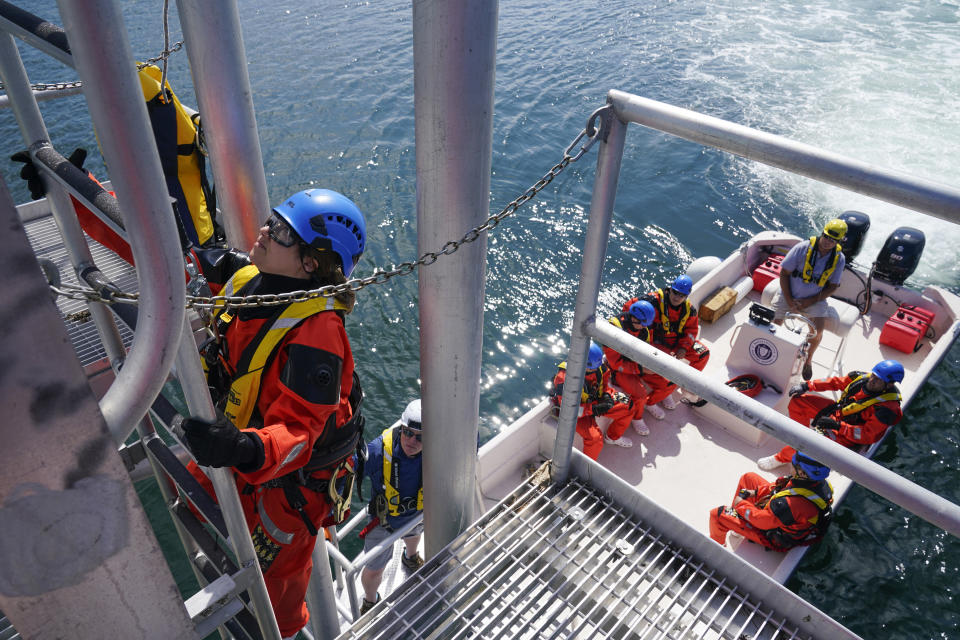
{"x":236,"y":393}
{"x":820,"y":494}
{"x":806,"y":274}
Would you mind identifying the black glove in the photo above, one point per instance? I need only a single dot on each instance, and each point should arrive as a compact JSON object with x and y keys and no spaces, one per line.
{"x":827,"y":424}
{"x":604,"y":404}
{"x":223,"y":445}
{"x":798,"y":389}
{"x":32,"y":176}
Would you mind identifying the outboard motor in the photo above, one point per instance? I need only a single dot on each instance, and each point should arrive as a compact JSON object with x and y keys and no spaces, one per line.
{"x":857,"y":226}
{"x":900,"y":255}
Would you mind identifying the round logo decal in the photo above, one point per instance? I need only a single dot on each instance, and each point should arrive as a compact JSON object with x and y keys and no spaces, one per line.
{"x":764,"y":352}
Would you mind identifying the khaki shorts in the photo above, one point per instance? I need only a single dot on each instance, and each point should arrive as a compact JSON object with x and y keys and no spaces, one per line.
{"x":817,"y":310}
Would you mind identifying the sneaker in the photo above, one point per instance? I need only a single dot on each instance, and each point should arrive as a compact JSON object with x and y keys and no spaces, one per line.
{"x":670,"y":403}
{"x":769,"y":463}
{"x":622,"y":441}
{"x":656,"y":411}
{"x":366,"y":605}
{"x":641,"y":427}
{"x":411,"y":564}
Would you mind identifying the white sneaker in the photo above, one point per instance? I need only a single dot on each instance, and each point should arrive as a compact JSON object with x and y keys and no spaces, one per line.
{"x":670,"y":403}
{"x":656,"y":411}
{"x":769,"y":463}
{"x":641,"y":427}
{"x":622,"y":441}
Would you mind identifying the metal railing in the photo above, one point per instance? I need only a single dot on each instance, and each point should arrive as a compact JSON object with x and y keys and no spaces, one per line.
{"x":914,"y":193}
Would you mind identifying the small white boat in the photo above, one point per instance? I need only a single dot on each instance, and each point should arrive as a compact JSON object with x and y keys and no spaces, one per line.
{"x":693,"y":458}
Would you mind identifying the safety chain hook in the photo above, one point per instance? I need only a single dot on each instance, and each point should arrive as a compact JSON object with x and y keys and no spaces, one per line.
{"x":597,"y":127}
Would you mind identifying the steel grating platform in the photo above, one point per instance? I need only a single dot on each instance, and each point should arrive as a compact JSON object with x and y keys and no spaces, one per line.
{"x":46,"y":242}
{"x":567,"y":562}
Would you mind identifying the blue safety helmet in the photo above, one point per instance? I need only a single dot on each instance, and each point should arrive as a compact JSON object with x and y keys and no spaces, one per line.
{"x":683,"y":284}
{"x":327,"y":220}
{"x":643,"y":311}
{"x":889,"y":371}
{"x":594,"y":356}
{"x":813,"y":469}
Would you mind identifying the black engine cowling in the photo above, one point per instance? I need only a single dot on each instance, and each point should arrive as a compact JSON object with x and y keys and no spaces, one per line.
{"x":900,"y":255}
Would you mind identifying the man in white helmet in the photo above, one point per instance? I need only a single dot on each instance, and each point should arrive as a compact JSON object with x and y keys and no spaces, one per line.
{"x":394,"y":466}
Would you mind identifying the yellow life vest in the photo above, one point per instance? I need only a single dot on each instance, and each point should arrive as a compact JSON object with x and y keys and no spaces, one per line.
{"x":615,"y":321}
{"x":584,"y":396}
{"x":807,"y":273}
{"x":857,"y":407}
{"x":821,"y":501}
{"x":665,"y":318}
{"x":391,"y":478}
{"x":241,"y":398}
{"x":189,"y":182}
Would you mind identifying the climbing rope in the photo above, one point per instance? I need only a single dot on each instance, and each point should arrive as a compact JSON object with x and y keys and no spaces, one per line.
{"x":586,"y":138}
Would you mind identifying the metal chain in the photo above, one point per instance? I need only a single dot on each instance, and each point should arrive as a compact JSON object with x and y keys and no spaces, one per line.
{"x":588,"y":135}
{"x":60,"y":86}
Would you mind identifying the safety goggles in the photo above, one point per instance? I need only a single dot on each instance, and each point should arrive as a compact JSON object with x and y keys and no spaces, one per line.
{"x":412,"y":433}
{"x":281,"y":232}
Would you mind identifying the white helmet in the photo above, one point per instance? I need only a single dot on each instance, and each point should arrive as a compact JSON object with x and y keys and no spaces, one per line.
{"x":411,"y":415}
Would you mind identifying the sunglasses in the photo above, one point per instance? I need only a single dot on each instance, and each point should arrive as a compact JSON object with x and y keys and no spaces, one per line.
{"x":281,"y":232}
{"x":412,"y":433}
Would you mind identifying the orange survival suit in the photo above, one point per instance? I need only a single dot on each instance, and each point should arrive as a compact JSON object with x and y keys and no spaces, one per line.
{"x":780,"y":515}
{"x":304,"y":415}
{"x":861,"y":417}
{"x":630,"y":376}
{"x":596,"y":385}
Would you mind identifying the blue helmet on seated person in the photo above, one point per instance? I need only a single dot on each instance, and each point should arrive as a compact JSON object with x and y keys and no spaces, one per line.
{"x":813,"y":469}
{"x":327,"y":221}
{"x":888,"y":371}
{"x":594,"y":356}
{"x":643,"y":311}
{"x":682,"y":285}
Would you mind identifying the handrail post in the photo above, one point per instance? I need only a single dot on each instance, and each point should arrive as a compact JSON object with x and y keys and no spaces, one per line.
{"x":103,"y":59}
{"x":324,"y":621}
{"x":194,"y":385}
{"x":218,"y":64}
{"x":595,"y":249}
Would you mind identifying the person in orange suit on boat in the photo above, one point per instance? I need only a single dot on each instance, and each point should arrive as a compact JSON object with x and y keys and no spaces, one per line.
{"x":627,"y":374}
{"x":289,"y":396}
{"x":599,"y":399}
{"x":792,"y":511}
{"x":868,"y":406}
{"x":675,"y":330}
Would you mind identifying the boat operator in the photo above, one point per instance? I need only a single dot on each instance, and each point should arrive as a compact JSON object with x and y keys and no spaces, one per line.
{"x":395,"y":468}
{"x":869,"y":405}
{"x":598,"y":398}
{"x":809,"y":274}
{"x":636,"y":382}
{"x":675,"y":330}
{"x":789,"y":512}
{"x":283,"y":377}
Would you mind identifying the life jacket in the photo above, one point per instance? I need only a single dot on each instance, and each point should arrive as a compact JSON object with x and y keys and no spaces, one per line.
{"x":794,"y":533}
{"x":175,"y":132}
{"x":666,"y":326}
{"x":643,"y":334}
{"x":236,"y":392}
{"x":395,"y":506}
{"x":806,"y":274}
{"x":850,"y":406}
{"x":590,"y":392}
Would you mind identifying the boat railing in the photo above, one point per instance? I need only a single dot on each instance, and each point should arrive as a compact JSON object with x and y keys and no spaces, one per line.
{"x":898,"y":188}
{"x":100,"y":52}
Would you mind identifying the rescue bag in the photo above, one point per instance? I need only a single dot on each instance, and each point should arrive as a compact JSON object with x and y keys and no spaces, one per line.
{"x":748,"y":384}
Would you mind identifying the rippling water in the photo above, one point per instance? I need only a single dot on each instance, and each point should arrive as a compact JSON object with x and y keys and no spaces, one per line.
{"x":876,"y":80}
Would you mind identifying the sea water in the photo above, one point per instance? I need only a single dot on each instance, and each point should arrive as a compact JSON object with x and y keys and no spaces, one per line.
{"x":874,"y":80}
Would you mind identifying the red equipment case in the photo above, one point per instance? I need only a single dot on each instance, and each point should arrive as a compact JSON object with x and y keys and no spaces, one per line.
{"x":768,"y":270}
{"x":904,"y":330}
